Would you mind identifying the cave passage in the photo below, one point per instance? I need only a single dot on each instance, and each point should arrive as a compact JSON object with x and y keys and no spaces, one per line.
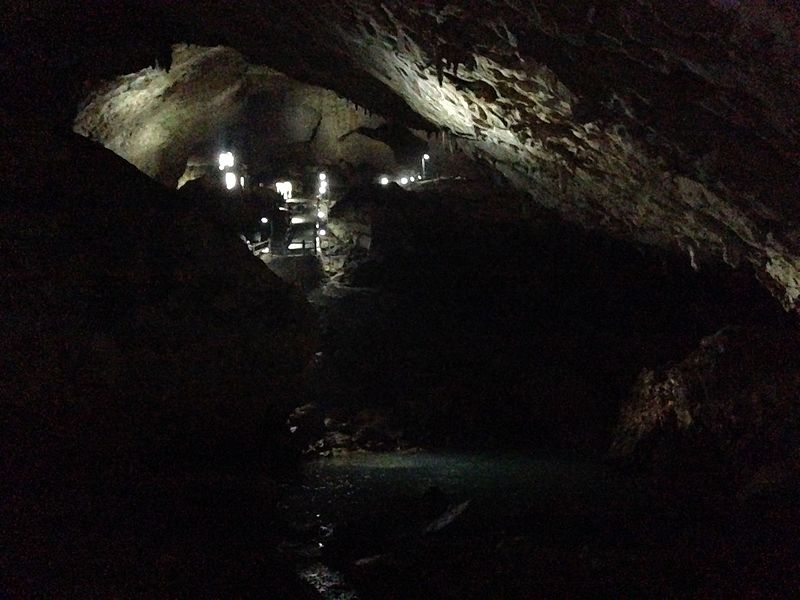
{"x":399,"y":300}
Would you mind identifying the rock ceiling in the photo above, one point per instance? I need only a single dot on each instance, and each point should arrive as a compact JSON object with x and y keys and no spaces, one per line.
{"x":672,"y":123}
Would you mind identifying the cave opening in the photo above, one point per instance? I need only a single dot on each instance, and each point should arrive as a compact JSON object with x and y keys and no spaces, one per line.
{"x":400,"y":300}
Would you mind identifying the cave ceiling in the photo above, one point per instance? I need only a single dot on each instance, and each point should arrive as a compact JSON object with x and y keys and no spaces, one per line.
{"x":670,"y":123}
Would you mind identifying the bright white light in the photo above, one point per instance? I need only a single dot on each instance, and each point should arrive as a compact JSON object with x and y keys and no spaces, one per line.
{"x":320,"y":214}
{"x":322,"y":232}
{"x":322,"y":177}
{"x":411,"y":179}
{"x":295,"y":246}
{"x":230,"y":180}
{"x":241,"y":181}
{"x":384,"y":181}
{"x":264,"y":220}
{"x":265,"y":251}
{"x":296,"y":220}
{"x":426,"y":156}
{"x":403,"y":180}
{"x":225,"y":160}
{"x":322,"y":190}
{"x":284,"y":188}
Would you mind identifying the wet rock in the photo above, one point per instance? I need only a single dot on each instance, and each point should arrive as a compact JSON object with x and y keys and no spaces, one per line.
{"x":448,"y":518}
{"x":306,"y":421}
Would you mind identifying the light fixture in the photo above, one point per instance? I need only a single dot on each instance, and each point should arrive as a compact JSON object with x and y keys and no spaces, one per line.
{"x":284,"y":188}
{"x":296,"y":220}
{"x":241,"y":181}
{"x":384,"y":181}
{"x":403,"y":180}
{"x":426,"y":156}
{"x":230,"y":180}
{"x":320,"y":214}
{"x":295,"y":246}
{"x":411,"y":179}
{"x":264,"y":220}
{"x":323,"y":177}
{"x":322,"y":232}
{"x":225,"y":160}
{"x":265,"y":251}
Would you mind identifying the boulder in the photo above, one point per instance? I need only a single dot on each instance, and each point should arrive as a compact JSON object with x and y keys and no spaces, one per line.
{"x":727,"y":413}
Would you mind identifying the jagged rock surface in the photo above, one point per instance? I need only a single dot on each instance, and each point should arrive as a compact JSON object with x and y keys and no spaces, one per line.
{"x":157,"y":118}
{"x":728,"y":409}
{"x":672,"y":124}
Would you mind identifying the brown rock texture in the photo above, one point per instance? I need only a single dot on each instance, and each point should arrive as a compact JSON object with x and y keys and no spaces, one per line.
{"x":670,"y":123}
{"x":157,"y":118}
{"x":729,"y":408}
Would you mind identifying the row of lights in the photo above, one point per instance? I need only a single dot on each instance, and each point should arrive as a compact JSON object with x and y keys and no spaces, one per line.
{"x":284,"y":188}
{"x":226,"y":161}
{"x":323,"y":184}
{"x":410,"y":179}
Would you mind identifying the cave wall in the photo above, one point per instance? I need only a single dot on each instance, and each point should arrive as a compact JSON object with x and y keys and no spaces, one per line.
{"x":210,"y":98}
{"x":672,"y":124}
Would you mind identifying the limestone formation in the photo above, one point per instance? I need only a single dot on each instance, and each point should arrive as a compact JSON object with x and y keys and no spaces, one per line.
{"x":670,"y":125}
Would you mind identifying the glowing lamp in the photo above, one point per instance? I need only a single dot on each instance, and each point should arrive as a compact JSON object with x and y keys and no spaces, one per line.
{"x":403,"y":180}
{"x":225,"y":160}
{"x":230,"y":180}
{"x":264,"y":220}
{"x":384,"y":181}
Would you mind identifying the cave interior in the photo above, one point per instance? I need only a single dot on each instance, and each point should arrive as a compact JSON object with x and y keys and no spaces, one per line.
{"x":422,"y":299}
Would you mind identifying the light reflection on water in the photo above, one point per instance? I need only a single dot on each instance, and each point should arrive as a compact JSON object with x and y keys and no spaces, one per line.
{"x":372,"y":500}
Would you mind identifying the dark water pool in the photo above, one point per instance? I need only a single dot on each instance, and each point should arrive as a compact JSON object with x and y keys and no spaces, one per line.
{"x":465,"y":525}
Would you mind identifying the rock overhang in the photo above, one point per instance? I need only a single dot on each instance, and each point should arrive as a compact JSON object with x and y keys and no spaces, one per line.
{"x":671,"y":125}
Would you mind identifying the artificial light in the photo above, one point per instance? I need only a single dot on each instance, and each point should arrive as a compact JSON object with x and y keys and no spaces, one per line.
{"x":230,"y":180}
{"x":225,"y":160}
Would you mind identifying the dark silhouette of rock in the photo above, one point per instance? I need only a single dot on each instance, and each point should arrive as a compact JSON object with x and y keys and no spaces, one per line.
{"x":142,"y":343}
{"x":726,"y":415}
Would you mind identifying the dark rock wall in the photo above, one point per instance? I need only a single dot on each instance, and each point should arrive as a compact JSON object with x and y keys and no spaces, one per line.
{"x":726,"y":415}
{"x":145,"y":350}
